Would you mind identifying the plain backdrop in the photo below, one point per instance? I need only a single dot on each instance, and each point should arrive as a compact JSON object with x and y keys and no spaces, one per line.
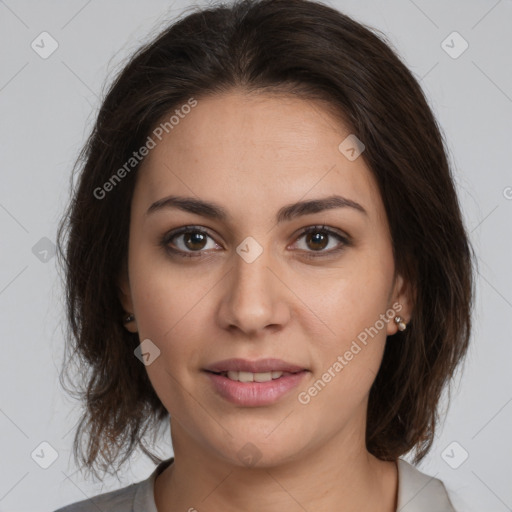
{"x":48,"y":106}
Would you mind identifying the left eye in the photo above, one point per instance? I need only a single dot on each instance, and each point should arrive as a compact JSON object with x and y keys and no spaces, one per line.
{"x":317,"y":238}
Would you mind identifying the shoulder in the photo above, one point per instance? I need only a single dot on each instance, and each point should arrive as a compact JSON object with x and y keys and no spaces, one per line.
{"x":136,"y":497}
{"x":419,"y":492}
{"x":120,"y":500}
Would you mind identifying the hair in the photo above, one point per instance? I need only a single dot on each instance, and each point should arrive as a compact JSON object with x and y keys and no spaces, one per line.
{"x":313,"y":52}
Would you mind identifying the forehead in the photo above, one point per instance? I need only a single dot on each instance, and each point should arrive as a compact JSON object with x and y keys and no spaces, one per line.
{"x":255,"y":151}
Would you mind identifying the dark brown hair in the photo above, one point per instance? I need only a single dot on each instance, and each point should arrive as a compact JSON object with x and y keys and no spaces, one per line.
{"x":312,"y":51}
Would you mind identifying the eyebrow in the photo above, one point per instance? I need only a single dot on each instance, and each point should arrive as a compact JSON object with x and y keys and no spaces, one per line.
{"x":286,"y":213}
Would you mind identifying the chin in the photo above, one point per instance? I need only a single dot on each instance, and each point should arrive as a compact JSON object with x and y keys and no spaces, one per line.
{"x":258,"y":450}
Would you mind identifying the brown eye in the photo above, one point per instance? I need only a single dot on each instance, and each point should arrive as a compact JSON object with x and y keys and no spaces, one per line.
{"x":187,"y":241}
{"x":317,"y":241}
{"x":195,"y":241}
{"x":317,"y":238}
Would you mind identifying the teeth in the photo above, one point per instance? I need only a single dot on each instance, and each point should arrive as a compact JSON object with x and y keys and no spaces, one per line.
{"x":263,"y":377}
{"x":254,"y":377}
{"x":245,"y":376}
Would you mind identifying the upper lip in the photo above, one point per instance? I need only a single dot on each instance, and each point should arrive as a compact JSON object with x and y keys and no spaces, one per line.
{"x":259,"y":366}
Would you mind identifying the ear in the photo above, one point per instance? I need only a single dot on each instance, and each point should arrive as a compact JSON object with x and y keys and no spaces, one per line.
{"x":401,"y":302}
{"x":125,"y":297}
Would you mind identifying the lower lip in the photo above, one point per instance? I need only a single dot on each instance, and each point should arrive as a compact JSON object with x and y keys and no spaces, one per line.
{"x":255,"y":394}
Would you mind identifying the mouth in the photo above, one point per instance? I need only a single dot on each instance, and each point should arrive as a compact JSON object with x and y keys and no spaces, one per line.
{"x":241,"y":376}
{"x":254,"y":383}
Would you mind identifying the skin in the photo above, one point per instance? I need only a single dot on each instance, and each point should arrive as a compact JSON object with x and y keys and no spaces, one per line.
{"x":253,"y":154}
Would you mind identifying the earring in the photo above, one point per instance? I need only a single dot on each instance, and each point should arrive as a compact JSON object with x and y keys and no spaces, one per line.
{"x":400,"y":323}
{"x":129,"y":318}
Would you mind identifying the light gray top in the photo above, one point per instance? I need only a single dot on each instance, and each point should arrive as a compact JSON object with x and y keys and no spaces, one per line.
{"x":417,"y":492}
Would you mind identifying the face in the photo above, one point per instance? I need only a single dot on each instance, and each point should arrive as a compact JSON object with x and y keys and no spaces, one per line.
{"x":238,"y":286}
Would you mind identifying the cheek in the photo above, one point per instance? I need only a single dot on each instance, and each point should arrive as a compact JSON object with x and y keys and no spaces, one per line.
{"x":350,"y":307}
{"x":163,"y":293}
{"x":352,"y":300}
{"x":172,"y":308}
{"x":346,"y":363}
{"x":168,"y":313}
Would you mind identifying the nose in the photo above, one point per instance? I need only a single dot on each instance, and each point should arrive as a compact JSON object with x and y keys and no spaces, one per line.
{"x":254,"y":299}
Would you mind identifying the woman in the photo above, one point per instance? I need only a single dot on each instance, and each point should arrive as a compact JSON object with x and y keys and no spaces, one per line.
{"x":265,"y":247}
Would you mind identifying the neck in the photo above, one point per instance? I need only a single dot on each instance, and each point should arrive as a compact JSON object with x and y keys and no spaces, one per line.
{"x":340,"y":476}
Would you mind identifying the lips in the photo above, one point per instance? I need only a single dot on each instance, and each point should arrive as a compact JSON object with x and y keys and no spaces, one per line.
{"x":254,"y":383}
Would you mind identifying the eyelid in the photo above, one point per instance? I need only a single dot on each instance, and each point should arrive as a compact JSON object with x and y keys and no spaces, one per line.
{"x":325,"y":228}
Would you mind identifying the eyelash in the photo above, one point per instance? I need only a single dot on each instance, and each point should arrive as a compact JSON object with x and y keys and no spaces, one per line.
{"x":168,"y":237}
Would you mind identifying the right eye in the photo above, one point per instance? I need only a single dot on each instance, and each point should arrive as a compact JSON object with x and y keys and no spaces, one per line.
{"x":191,"y":241}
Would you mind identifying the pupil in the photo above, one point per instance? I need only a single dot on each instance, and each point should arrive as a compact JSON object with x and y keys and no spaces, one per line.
{"x":316,"y":239}
{"x":196,"y":238}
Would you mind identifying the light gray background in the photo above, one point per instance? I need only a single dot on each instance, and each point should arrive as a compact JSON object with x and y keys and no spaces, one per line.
{"x":48,"y":106}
